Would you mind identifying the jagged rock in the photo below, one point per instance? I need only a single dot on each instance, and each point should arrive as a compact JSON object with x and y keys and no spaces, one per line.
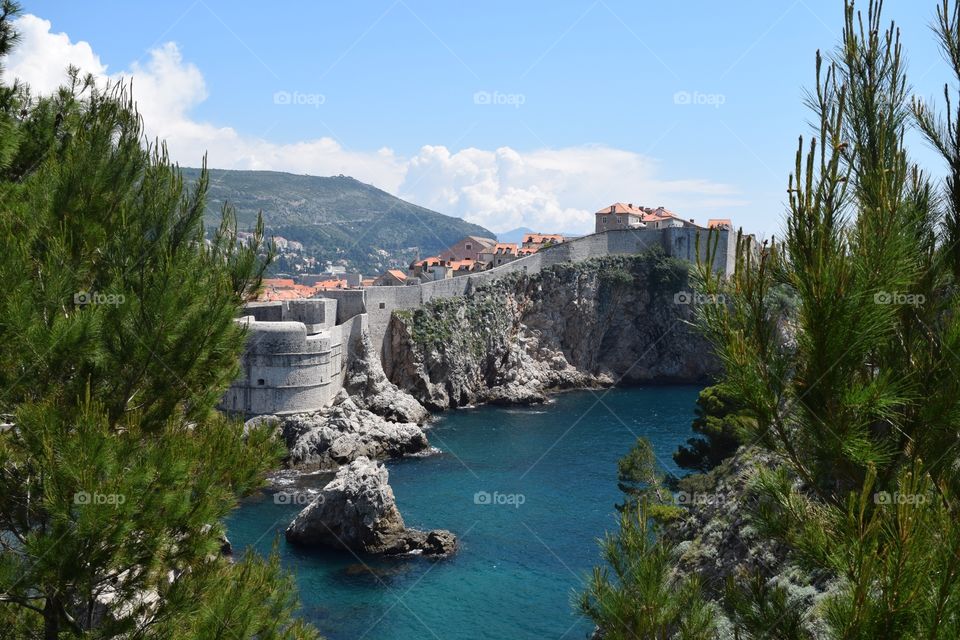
{"x":589,"y":324}
{"x":343,"y":432}
{"x":357,"y":511}
{"x":371,"y":390}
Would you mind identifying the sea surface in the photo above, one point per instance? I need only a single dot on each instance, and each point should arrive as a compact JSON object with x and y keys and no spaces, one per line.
{"x":527,"y":490}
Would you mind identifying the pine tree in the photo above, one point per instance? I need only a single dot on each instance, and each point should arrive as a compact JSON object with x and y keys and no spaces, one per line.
{"x":117,"y":339}
{"x":855,"y":384}
{"x":863,"y":405}
{"x":637,"y":596}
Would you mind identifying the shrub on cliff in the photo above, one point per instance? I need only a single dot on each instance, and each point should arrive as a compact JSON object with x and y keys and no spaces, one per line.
{"x":116,"y":341}
{"x":721,"y":423}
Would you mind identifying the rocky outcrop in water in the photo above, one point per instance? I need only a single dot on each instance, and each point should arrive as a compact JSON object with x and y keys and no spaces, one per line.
{"x":600,"y":322}
{"x":344,"y":432}
{"x":357,"y":511}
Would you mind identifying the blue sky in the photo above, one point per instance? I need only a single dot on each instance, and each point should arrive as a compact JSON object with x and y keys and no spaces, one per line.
{"x":584,"y":100}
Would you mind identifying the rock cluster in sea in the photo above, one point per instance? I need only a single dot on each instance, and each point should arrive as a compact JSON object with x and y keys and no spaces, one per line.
{"x":343,"y":432}
{"x":357,"y":511}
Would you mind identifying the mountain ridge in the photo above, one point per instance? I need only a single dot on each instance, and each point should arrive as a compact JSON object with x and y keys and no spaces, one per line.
{"x":340,"y":220}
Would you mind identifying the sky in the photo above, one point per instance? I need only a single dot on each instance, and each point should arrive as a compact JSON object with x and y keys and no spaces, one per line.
{"x":504,"y":113}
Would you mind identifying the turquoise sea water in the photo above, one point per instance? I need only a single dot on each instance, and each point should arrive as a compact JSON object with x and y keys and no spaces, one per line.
{"x":527,"y":490}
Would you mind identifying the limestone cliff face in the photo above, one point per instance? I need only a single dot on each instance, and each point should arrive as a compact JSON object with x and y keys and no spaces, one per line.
{"x":605,"y":321}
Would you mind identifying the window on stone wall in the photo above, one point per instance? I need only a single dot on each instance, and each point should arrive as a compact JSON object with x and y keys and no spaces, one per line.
{"x":383,"y":305}
{"x":260,"y":382}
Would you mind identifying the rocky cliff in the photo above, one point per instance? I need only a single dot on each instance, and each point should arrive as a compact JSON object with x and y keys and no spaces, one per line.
{"x":622,"y":319}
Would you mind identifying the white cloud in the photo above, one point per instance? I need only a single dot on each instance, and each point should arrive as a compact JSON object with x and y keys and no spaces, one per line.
{"x":41,"y":58}
{"x":548,"y":189}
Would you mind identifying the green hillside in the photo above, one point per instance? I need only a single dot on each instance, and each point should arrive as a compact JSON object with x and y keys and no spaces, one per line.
{"x":338,"y":219}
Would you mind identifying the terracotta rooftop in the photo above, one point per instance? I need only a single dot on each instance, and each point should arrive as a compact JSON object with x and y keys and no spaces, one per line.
{"x":719,"y":222}
{"x":428,"y":262}
{"x":619,"y":207}
{"x":540,"y":238}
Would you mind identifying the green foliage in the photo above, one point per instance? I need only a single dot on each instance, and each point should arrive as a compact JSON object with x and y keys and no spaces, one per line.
{"x":437,"y":325}
{"x":653,"y":269}
{"x":858,"y":392}
{"x":720,"y":420}
{"x":617,"y":277}
{"x":637,"y":596}
{"x":759,"y":610}
{"x":117,"y":339}
{"x":839,"y":346}
{"x":639,"y":477}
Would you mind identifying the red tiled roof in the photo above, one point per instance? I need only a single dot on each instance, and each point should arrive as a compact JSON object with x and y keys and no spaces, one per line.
{"x":396,"y":273}
{"x":325,"y":285}
{"x":540,"y":238}
{"x":619,"y":207}
{"x":461,"y":264}
{"x":278,"y":282}
{"x":509,"y":248}
{"x":428,"y":262}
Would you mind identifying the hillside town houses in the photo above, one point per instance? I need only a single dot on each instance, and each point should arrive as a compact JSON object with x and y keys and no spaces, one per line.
{"x":477,"y":253}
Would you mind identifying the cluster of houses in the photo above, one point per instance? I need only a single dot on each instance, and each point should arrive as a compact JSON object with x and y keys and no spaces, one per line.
{"x":628,"y":216}
{"x":469,"y":255}
{"x":477,"y":253}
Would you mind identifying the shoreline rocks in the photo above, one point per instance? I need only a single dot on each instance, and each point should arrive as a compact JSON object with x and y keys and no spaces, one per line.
{"x":343,"y":432}
{"x":357,"y":511}
{"x":717,"y":538}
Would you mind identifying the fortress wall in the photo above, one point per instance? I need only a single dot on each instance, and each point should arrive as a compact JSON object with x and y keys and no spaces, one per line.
{"x":350,"y":302}
{"x":286,"y":369}
{"x":677,"y":242}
